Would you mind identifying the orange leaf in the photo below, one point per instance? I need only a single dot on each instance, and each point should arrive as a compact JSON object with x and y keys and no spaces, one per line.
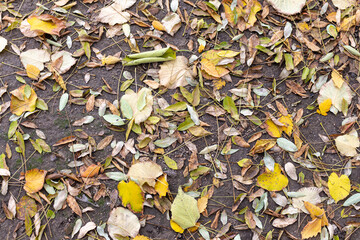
{"x":158,"y":25}
{"x":324,"y":107}
{"x":91,"y":171}
{"x":34,"y":180}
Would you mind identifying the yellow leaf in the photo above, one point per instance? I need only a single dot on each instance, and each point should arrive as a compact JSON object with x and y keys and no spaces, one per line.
{"x":109,"y":60}
{"x":162,"y":186}
{"x":198,"y":131}
{"x":318,"y":220}
{"x":34,"y":180}
{"x":273,"y":181}
{"x":141,"y":237}
{"x":132,"y":194}
{"x":219,"y":83}
{"x":337,"y":78}
{"x":324,"y":107}
{"x":176,"y":227}
{"x":46,"y":23}
{"x":287,"y":121}
{"x":311,"y":229}
{"x":339,"y":188}
{"x":158,"y":25}
{"x":272,"y":129}
{"x":211,"y":58}
{"x":201,"y":48}
{"x":303,"y":27}
{"x":347,"y":23}
{"x":202,"y":203}
{"x":18,"y":106}
{"x":32,"y":71}
{"x":252,"y":16}
{"x":262,"y":145}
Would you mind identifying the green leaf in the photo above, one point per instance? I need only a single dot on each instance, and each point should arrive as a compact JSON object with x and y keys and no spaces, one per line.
{"x":188,"y":123}
{"x":331,"y":30}
{"x":170,"y":163}
{"x":12,"y":129}
{"x":63,"y":101}
{"x":289,"y":64}
{"x":114,"y":119}
{"x":20,"y":79}
{"x":179,"y":106}
{"x":354,"y":199}
{"x":229,"y":106}
{"x":41,"y":104}
{"x":184,"y":210}
{"x":126,"y":109}
{"x":186,"y":94}
{"x":141,"y":103}
{"x":165,"y":142}
{"x":160,"y":55}
{"x":20,"y":142}
{"x":27,"y":91}
{"x":286,"y":145}
{"x":126,"y":84}
{"x":352,"y":50}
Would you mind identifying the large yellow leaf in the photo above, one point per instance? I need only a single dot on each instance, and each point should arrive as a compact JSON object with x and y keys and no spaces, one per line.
{"x":34,"y":180}
{"x":318,"y":220}
{"x":20,"y":103}
{"x":210,"y":62}
{"x":339,"y":188}
{"x":132,"y":194}
{"x":162,"y":186}
{"x":324,"y":107}
{"x":46,"y":23}
{"x":273,"y":181}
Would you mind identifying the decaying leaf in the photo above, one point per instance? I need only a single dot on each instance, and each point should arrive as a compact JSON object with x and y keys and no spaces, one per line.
{"x":175,"y":73}
{"x":137,"y":106}
{"x":145,"y":172}
{"x":35,"y":57}
{"x":319,"y":220}
{"x":115,"y":13}
{"x":347,"y":144}
{"x":46,"y":23}
{"x":288,"y":7}
{"x":123,"y":223}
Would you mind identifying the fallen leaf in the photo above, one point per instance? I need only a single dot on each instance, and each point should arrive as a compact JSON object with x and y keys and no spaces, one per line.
{"x":288,"y":7}
{"x":115,"y":14}
{"x":71,"y":201}
{"x":318,"y":220}
{"x":3,"y":43}
{"x":91,"y":171}
{"x":184,"y":210}
{"x":123,"y":223}
{"x":162,"y":186}
{"x":46,"y":23}
{"x":347,"y":143}
{"x":211,"y":59}
{"x":145,"y":172}
{"x":171,"y":23}
{"x":174,"y":73}
{"x":20,"y":103}
{"x":34,"y":180}
{"x":137,"y":106}
{"x":35,"y":57}
{"x":283,"y":222}
{"x":86,"y":228}
{"x":131,"y":194}
{"x":337,"y":95}
{"x":343,"y":4}
{"x":273,"y":181}
{"x":26,"y":206}
{"x":339,"y":187}
{"x":324,"y":107}
{"x":32,"y":72}
{"x":337,"y":78}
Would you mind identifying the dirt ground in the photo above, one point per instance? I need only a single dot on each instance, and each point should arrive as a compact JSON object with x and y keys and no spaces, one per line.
{"x":57,"y":125}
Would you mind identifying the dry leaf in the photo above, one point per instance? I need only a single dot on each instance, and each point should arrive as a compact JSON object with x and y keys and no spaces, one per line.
{"x":174,"y":73}
{"x":34,"y":180}
{"x":123,"y":223}
{"x":339,"y":187}
{"x":273,"y":181}
{"x":131,"y":194}
{"x":20,"y":103}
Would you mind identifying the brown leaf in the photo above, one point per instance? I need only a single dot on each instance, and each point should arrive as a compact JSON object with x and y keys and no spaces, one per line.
{"x":104,"y":142}
{"x":73,"y":205}
{"x":65,"y":140}
{"x":90,"y":103}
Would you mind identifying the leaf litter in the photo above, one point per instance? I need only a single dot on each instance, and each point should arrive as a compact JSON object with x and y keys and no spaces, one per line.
{"x":215,"y":92}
